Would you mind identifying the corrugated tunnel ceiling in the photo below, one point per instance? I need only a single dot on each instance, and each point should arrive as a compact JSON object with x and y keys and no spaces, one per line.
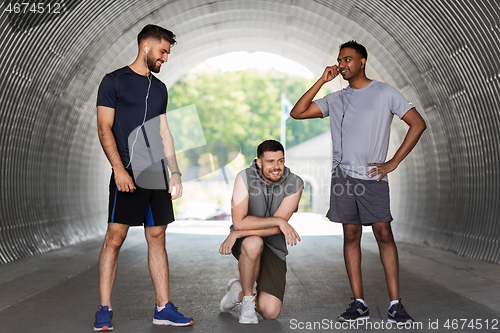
{"x":442,"y":55}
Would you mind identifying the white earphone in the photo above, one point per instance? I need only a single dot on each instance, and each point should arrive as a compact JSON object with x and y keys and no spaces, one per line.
{"x":145,"y":110}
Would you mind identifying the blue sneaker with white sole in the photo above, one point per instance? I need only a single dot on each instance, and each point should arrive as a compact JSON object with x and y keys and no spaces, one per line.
{"x":171,"y":316}
{"x":103,"y":319}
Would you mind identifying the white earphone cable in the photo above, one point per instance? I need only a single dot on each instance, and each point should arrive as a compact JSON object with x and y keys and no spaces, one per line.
{"x":145,"y":112}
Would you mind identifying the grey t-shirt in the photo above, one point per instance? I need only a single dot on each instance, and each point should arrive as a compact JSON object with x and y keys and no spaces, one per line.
{"x":265,"y":198}
{"x":360,"y":124}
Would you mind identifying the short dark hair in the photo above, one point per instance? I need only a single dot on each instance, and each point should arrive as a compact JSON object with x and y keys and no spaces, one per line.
{"x":269,"y":145}
{"x":156,"y":32}
{"x":360,"y":49}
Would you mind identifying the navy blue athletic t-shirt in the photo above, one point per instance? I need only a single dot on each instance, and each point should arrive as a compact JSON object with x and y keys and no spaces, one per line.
{"x":125,"y":91}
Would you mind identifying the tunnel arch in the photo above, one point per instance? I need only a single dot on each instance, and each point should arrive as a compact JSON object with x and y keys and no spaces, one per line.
{"x":443,"y":56}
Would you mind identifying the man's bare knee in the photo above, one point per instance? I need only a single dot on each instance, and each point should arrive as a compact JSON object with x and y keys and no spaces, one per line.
{"x":385,"y":238}
{"x":252,"y":247}
{"x":383,"y":233}
{"x":352,"y":233}
{"x":114,"y":239}
{"x":269,"y":306}
{"x":269,"y":312}
{"x":155,"y":234}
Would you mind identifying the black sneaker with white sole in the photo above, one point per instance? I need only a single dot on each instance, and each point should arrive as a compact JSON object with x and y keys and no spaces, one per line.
{"x":398,"y":315}
{"x":355,"y":311}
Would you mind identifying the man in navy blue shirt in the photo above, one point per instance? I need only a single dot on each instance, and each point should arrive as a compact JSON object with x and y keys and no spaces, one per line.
{"x":129,"y":100}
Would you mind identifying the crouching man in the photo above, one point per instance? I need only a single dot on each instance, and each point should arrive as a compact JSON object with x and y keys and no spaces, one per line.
{"x":265,"y":196}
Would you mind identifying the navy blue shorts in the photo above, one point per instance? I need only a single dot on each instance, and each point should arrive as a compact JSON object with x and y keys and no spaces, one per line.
{"x":142,"y":207}
{"x":358,"y":201}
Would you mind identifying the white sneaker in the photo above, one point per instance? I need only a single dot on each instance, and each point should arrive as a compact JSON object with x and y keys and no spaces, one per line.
{"x":228,"y":302}
{"x":247,"y":313}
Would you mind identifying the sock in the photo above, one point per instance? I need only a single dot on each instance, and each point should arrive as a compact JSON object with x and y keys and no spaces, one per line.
{"x":248,"y":298}
{"x":393,"y":302}
{"x":362,"y":301}
{"x":160,"y":308}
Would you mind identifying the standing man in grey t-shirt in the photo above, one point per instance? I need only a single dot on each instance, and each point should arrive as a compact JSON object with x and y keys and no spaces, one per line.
{"x":360,"y":120}
{"x":264,"y":198}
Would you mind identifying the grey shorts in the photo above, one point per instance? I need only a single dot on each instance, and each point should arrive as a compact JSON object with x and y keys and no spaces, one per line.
{"x":358,"y":201}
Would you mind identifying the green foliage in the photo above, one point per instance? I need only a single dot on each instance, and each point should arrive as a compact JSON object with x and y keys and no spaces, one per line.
{"x":244,"y":107}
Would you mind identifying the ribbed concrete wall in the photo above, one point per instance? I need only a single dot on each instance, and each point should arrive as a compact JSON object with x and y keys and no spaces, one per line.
{"x":442,"y":55}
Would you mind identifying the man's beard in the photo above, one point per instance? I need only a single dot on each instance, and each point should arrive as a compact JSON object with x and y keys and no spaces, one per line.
{"x":271,"y":177}
{"x":152,"y":66}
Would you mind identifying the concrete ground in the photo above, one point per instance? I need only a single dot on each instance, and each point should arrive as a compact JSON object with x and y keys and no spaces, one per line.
{"x":57,"y":291}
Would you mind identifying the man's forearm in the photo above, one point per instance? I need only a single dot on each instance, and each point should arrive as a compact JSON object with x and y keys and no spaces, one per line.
{"x":108,"y":144}
{"x":305,"y":101}
{"x":169,"y":150}
{"x":409,"y":142}
{"x":258,"y":232}
{"x":250,"y":222}
{"x":172,"y":163}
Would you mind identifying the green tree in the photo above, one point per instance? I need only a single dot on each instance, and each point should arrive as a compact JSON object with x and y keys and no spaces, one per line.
{"x":298,"y":131}
{"x":244,"y":107}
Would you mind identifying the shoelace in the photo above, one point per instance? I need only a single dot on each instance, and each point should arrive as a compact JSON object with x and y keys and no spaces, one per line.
{"x":353,"y":304}
{"x":103,"y":315}
{"x":247,"y":306}
{"x":399,"y":306}
{"x":174,"y":308}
